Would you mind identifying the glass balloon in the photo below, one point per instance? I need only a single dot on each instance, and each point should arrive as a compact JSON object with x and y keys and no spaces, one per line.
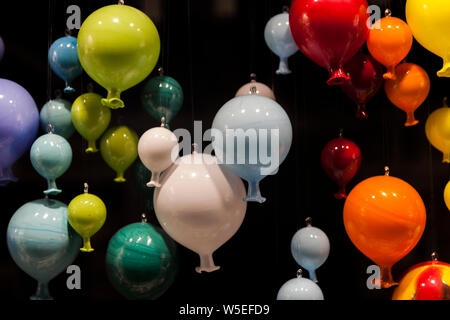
{"x":51,"y":156}
{"x":384,"y":218}
{"x":254,"y":87}
{"x":57,"y":112}
{"x":41,"y":242}
{"x":200,"y":205}
{"x":300,"y":288}
{"x":63,"y":59}
{"x":19,"y":124}
{"x":329,"y":32}
{"x":90,"y":118}
{"x":278,"y":38}
{"x":141,"y":261}
{"x":447,"y":195}
{"x":252,"y":136}
{"x":162,"y":96}
{"x":430,"y":26}
{"x":408,"y":90}
{"x":118,"y":148}
{"x":310,"y":247}
{"x":118,"y":47}
{"x":437,"y":130}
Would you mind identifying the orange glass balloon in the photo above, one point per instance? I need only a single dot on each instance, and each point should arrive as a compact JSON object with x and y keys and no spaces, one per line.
{"x":384,"y":217}
{"x":389,"y":42}
{"x":409,"y":90}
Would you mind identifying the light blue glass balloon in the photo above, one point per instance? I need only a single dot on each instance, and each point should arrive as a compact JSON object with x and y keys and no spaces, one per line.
{"x":279,"y":39}
{"x":310,"y":247}
{"x":300,"y":289}
{"x":270,"y":129}
{"x":63,"y":59}
{"x":58,"y":113}
{"x":51,"y":156}
{"x":41,"y":241}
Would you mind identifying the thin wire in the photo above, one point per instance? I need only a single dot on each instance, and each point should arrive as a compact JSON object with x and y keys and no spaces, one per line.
{"x":49,"y":43}
{"x":252,"y":31}
{"x":191,"y":79}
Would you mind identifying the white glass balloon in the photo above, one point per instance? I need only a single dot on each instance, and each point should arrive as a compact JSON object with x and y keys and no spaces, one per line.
{"x":300,"y":289}
{"x":158,"y":149}
{"x":200,"y":205}
{"x":254,"y":87}
{"x":310,"y":247}
{"x":279,"y":39}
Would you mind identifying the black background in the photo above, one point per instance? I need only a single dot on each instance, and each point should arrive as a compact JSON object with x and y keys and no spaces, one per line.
{"x":211,"y":47}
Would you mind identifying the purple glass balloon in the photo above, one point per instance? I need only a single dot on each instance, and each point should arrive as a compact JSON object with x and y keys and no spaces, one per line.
{"x":19,"y":123}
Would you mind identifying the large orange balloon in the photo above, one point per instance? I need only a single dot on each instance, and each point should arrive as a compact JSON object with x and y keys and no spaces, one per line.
{"x":389,"y":42}
{"x":384,"y":217}
{"x":409,"y":90}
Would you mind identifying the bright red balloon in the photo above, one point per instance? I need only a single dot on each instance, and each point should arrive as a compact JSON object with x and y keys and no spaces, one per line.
{"x":341,"y":159}
{"x":366,"y":79}
{"x":329,"y":32}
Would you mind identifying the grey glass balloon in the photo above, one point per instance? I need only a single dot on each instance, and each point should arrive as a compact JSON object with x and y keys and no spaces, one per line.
{"x":300,"y":289}
{"x":310,"y":247}
{"x":279,"y":39}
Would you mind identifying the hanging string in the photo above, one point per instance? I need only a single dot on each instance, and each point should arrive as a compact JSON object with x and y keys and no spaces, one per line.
{"x":190,"y":57}
{"x":166,"y":37}
{"x":252,"y":30}
{"x":49,"y":43}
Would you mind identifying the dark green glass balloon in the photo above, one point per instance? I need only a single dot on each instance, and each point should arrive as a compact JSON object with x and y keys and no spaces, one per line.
{"x":162,"y":97}
{"x":141,"y":261}
{"x":141,"y":175}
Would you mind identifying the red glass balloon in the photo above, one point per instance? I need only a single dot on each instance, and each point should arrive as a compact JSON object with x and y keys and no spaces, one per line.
{"x":366,"y":79}
{"x":341,"y":159}
{"x":329,"y":32}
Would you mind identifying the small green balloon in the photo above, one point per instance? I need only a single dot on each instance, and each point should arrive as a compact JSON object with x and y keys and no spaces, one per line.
{"x":162,"y":96}
{"x":141,"y":261}
{"x":118,"y":147}
{"x":118,"y":47}
{"x":141,"y":175}
{"x":90,"y":118}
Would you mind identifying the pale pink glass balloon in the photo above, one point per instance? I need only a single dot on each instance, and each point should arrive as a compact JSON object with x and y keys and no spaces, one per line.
{"x":254,"y":87}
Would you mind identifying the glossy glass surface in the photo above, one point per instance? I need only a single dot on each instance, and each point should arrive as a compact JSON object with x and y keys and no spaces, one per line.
{"x":90,"y":118}
{"x":409,"y":90}
{"x":118,"y":46}
{"x":200,"y":205}
{"x":19,"y":124}
{"x":437,"y":129}
{"x":300,"y":289}
{"x":41,"y":241}
{"x":254,"y":87}
{"x":425,"y":281}
{"x":162,"y":96}
{"x":57,"y":112}
{"x":341,"y":159}
{"x":141,"y":261}
{"x":118,"y":147}
{"x":329,"y":32}
{"x":447,"y":195}
{"x":279,"y":39}
{"x":51,"y":156}
{"x":257,"y":114}
{"x":385,"y":218}
{"x":389,"y":42}
{"x":86,"y":214}
{"x":365,"y":81}
{"x":63,"y":59}
{"x":428,"y":20}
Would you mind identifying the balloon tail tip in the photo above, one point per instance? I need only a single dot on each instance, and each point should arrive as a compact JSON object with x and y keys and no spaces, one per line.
{"x":153,"y":184}
{"x":52,"y":191}
{"x":411,"y":123}
{"x":340,"y":195}
{"x":91,"y":150}
{"x":69,"y":90}
{"x":389,"y":76}
{"x":259,"y":199}
{"x":84,"y":249}
{"x":119,"y":179}
{"x":338,"y":78}
{"x":207,"y":269}
{"x":113,"y":103}
{"x":445,"y":71}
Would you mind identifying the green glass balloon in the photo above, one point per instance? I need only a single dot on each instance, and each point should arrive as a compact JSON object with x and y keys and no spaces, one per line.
{"x":90,"y":118}
{"x":141,"y":175}
{"x":118,"y":147}
{"x":162,"y":96}
{"x":141,"y":261}
{"x":118,"y":47}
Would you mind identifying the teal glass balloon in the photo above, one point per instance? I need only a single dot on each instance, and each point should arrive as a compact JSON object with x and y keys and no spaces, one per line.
{"x":58,"y":113}
{"x":162,"y":96}
{"x":141,"y":175}
{"x":141,"y":261}
{"x":51,"y":156}
{"x":41,"y":241}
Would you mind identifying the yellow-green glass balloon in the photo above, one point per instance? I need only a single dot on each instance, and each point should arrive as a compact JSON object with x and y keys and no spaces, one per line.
{"x":118,"y":147}
{"x":86,"y":215}
{"x":118,"y":47}
{"x":90,"y":118}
